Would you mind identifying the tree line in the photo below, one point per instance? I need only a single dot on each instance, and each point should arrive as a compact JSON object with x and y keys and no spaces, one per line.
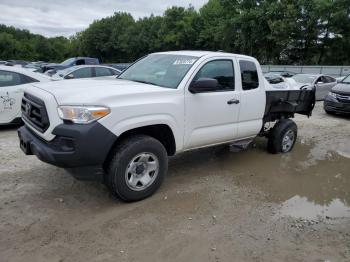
{"x":273,"y":31}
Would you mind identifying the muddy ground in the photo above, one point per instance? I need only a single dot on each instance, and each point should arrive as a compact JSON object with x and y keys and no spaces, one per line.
{"x":215,"y":205}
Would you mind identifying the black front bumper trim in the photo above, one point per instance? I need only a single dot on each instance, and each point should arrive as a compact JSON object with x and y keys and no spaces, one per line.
{"x":81,"y":149}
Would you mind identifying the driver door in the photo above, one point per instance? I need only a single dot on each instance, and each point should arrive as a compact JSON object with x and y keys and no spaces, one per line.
{"x":212,"y":115}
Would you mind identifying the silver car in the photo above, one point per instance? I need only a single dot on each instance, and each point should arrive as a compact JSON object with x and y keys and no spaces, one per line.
{"x":86,"y":71}
{"x":323,"y":83}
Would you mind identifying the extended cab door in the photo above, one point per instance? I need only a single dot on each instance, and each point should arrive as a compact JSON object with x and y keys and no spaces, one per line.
{"x":253,"y":98}
{"x":211,"y":115}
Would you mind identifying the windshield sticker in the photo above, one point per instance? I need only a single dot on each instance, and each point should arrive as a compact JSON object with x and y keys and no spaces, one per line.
{"x":184,"y":61}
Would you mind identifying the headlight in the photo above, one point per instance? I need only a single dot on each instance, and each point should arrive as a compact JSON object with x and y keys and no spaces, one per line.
{"x":332,"y":94}
{"x":82,"y":114}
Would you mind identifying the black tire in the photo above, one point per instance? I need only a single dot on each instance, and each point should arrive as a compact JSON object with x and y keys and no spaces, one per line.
{"x":329,"y":112}
{"x":281,"y":129}
{"x":119,"y":162}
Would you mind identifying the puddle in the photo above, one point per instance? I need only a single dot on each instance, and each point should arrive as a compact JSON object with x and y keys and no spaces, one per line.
{"x":300,"y":207}
{"x":308,"y":182}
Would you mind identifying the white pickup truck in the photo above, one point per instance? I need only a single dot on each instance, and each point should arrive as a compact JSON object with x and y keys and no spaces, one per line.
{"x":123,"y":130}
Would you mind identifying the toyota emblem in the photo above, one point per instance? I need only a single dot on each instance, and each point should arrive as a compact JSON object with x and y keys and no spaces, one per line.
{"x":28,"y":108}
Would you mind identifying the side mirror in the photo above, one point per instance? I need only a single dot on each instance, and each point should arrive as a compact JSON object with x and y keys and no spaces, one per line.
{"x":203,"y":85}
{"x":319,"y":82}
{"x":70,"y":76}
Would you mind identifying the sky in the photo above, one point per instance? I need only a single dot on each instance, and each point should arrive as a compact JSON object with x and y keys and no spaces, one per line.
{"x":64,"y":18}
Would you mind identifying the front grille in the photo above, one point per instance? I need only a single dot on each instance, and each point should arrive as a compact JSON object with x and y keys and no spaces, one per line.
{"x":34,"y":112}
{"x":343,"y":98}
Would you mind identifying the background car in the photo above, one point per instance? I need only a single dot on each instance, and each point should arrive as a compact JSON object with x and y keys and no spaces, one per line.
{"x":279,"y":82}
{"x":338,"y":99}
{"x":86,"y":71}
{"x":285,"y":74}
{"x":323,"y":83}
{"x":74,"y":61}
{"x":34,"y":66}
{"x":120,"y":66}
{"x":12,"y":81}
{"x":18,"y":63}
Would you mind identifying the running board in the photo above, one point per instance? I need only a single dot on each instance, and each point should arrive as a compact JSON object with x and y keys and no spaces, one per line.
{"x":240,"y":145}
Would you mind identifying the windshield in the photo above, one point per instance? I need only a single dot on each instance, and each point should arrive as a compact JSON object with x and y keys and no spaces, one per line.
{"x":163,"y":70}
{"x":346,"y":80}
{"x":304,"y":79}
{"x":68,"y":62}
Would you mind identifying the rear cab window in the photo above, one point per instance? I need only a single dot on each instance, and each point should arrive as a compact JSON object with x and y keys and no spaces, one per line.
{"x":249,"y":75}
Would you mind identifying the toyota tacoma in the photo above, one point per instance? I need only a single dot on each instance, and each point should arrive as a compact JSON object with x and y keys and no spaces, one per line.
{"x":123,"y":130}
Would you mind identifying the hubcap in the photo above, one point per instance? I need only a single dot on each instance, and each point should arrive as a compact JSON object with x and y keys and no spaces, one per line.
{"x":141,"y":171}
{"x":288,"y":141}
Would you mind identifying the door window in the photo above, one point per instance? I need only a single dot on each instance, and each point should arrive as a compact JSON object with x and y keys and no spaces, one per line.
{"x":249,"y":75}
{"x":80,"y":62}
{"x":222,"y":71}
{"x":9,"y":78}
{"x":102,"y":71}
{"x":329,"y":79}
{"x":82,"y":73}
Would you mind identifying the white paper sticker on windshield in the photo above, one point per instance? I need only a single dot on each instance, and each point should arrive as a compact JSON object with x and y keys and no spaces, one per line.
{"x":184,"y":61}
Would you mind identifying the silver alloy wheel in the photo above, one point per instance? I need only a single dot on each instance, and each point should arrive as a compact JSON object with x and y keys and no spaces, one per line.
{"x":141,"y":171}
{"x":288,"y":141}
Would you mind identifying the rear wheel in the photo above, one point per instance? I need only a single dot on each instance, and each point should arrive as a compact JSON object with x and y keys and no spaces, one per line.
{"x":282,"y":137}
{"x":137,"y":168}
{"x":329,"y":112}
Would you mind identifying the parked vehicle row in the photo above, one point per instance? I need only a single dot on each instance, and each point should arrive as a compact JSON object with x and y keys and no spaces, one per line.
{"x":288,"y":80}
{"x":13,"y":80}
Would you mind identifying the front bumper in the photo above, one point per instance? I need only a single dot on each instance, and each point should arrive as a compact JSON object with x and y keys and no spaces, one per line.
{"x":81,"y":149}
{"x":331,"y":104}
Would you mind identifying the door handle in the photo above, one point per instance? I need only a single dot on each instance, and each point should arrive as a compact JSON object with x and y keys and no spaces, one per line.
{"x":233,"y":101}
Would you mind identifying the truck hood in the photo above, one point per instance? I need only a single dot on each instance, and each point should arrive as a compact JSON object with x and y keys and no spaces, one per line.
{"x":96,"y":92}
{"x":342,"y":89}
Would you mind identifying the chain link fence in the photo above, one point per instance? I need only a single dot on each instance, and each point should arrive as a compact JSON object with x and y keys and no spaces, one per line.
{"x":327,"y":70}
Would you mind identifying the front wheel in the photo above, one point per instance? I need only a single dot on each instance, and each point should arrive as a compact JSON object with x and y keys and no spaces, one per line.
{"x":137,"y":168}
{"x":282,"y":137}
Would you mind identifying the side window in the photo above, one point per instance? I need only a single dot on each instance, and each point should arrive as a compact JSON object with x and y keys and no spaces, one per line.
{"x":91,"y":61}
{"x":9,"y":78}
{"x":222,"y":71}
{"x":329,"y":79}
{"x":26,"y":79}
{"x":249,"y":75}
{"x":82,"y":73}
{"x":80,"y":62}
{"x":321,"y":79}
{"x":114,"y":72}
{"x":102,"y":71}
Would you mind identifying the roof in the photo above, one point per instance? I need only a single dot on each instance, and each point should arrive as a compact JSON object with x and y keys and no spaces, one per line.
{"x":38,"y":76}
{"x":82,"y":66}
{"x":201,"y":53}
